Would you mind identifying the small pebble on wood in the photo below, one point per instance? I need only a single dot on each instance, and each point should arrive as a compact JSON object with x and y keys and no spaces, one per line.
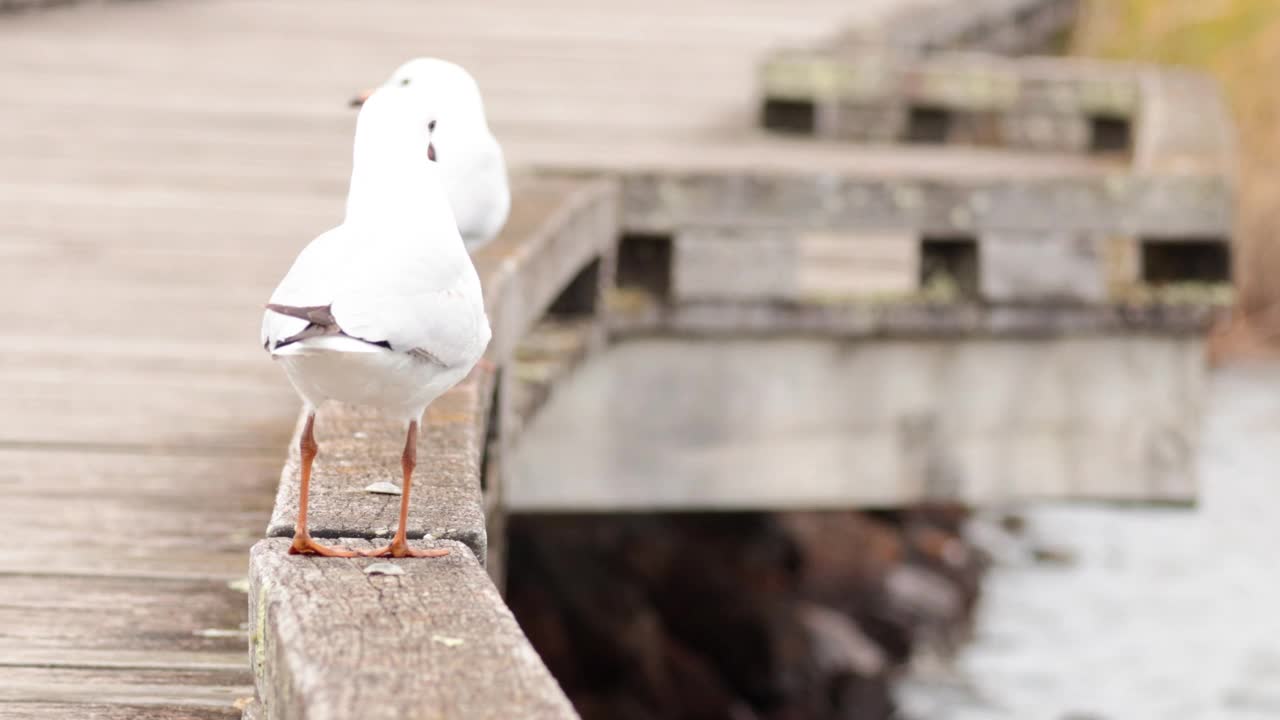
{"x":384,"y":568}
{"x":383,"y":487}
{"x":447,"y":641}
{"x":219,"y":633}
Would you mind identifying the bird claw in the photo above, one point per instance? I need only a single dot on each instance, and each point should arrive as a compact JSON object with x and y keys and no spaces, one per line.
{"x":304,"y":545}
{"x":401,"y":549}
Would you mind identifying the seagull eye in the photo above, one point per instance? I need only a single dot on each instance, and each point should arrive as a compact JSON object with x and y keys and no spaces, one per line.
{"x":431,"y":125}
{"x":404,"y":82}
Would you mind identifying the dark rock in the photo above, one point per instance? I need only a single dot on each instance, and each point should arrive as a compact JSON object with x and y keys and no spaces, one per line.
{"x":740,"y":616}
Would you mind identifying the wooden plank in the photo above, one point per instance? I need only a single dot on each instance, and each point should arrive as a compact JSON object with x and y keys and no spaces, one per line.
{"x":116,"y":711}
{"x":553,"y":101}
{"x":115,"y":659}
{"x":666,"y":202}
{"x":186,"y":517}
{"x":507,"y":56}
{"x":230,"y":481}
{"x":179,"y":412}
{"x":121,"y":623}
{"x":330,"y":641}
{"x":169,"y":552}
{"x":916,"y":318}
{"x":94,"y":686}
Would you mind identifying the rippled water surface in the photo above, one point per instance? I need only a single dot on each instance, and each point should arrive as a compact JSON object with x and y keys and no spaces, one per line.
{"x":1145,"y":612}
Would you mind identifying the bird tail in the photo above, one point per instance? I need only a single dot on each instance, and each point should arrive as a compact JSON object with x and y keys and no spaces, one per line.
{"x":321,"y":315}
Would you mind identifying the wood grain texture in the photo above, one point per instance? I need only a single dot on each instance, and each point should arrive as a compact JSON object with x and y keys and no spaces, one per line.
{"x":120,"y":622}
{"x":141,"y":426}
{"x":203,"y":689}
{"x":130,"y":514}
{"x":121,"y":603}
{"x":331,"y":642}
{"x":41,"y":710}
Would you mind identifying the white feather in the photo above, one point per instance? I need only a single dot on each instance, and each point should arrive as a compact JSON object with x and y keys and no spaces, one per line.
{"x":395,"y":272}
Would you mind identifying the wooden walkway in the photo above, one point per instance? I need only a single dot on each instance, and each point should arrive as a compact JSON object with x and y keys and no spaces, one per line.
{"x":162,"y":162}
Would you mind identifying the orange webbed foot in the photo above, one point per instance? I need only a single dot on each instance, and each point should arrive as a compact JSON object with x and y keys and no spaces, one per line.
{"x":401,"y":549}
{"x":304,"y":545}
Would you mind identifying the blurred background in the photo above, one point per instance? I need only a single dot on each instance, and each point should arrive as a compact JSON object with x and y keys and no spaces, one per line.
{"x":1233,"y":42}
{"x":939,"y":380}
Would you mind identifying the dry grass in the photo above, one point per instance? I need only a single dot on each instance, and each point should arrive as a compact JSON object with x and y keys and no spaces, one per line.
{"x":1237,"y":41}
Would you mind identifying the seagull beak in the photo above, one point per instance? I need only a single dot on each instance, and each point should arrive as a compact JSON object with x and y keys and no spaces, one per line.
{"x":359,"y":99}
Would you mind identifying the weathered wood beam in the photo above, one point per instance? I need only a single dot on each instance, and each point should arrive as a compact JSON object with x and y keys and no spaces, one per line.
{"x":1172,"y":121}
{"x":1099,"y":202}
{"x":911,"y":319}
{"x":330,"y":641}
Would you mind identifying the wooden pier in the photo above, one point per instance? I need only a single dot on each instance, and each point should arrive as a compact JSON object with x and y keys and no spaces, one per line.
{"x":160,"y":165}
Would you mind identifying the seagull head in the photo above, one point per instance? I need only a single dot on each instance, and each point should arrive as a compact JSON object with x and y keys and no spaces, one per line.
{"x":396,"y":119}
{"x":447,"y":92}
{"x":394,"y":169}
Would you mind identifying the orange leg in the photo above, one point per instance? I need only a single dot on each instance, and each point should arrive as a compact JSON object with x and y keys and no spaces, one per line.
{"x":302,"y":542}
{"x":399,"y":546}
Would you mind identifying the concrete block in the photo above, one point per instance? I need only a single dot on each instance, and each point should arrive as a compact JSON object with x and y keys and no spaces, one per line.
{"x":1044,"y":267}
{"x":728,"y":264}
{"x":763,"y":424}
{"x":799,"y":266}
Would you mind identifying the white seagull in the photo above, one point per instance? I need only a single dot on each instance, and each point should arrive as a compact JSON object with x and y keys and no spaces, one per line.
{"x":475,"y":173}
{"x":384,"y":310}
